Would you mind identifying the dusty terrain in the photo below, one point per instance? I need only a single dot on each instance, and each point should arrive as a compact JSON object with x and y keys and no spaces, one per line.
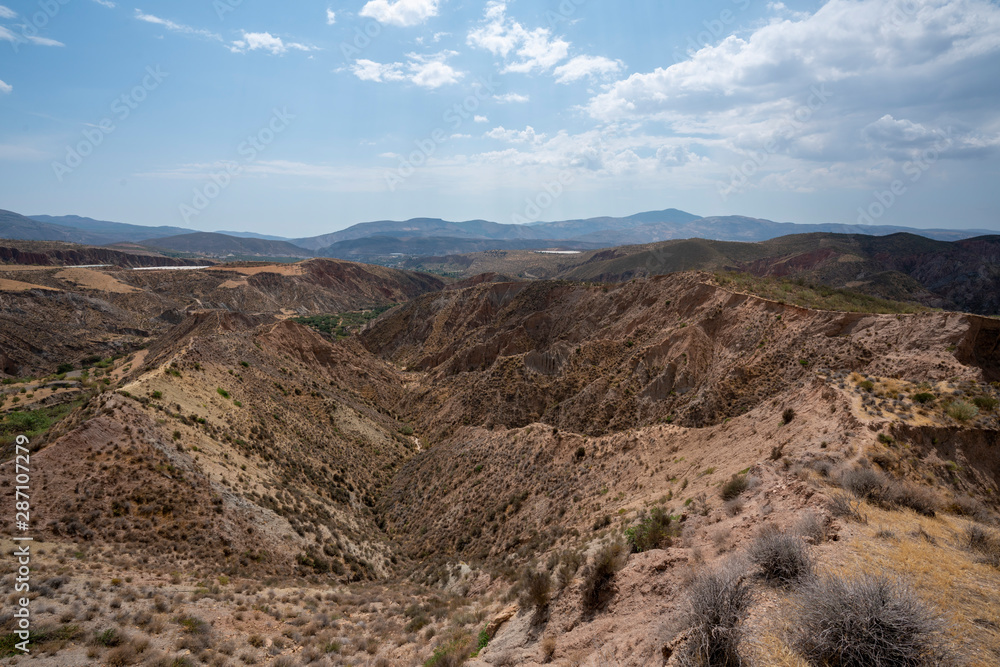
{"x":235,"y":488}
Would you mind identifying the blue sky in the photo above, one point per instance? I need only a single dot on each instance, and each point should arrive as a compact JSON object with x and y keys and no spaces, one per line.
{"x":304,"y":118}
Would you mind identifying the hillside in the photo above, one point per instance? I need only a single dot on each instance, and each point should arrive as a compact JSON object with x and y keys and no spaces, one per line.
{"x":64,"y":314}
{"x":214,"y":245}
{"x":960,"y":275}
{"x":252,"y":489}
{"x":382,"y":249}
{"x":103,"y":231}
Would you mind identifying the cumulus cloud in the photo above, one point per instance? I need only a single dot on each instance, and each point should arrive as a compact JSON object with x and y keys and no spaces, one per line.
{"x":265,"y":41}
{"x":523,"y":50}
{"x":855,"y":82}
{"x":403,"y":13}
{"x":583,"y":67}
{"x":5,"y":87}
{"x":331,"y":16}
{"x":176,"y":27}
{"x":424,"y":70}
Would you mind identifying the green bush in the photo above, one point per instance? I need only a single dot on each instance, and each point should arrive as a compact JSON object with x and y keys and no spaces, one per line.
{"x":961,"y":411}
{"x":64,"y":368}
{"x":222,"y":392}
{"x":987,"y":403}
{"x":652,"y":532}
{"x":736,"y":485}
{"x":406,"y":430}
{"x":924,"y":398}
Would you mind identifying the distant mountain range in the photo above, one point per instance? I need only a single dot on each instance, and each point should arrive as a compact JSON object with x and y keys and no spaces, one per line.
{"x":384,"y":241}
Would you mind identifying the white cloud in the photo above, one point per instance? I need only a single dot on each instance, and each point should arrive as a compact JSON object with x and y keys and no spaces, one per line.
{"x":8,"y":36}
{"x":265,"y":41}
{"x":5,"y":87}
{"x":523,"y":50}
{"x":480,"y":119}
{"x":854,"y":84}
{"x":525,"y":136}
{"x":7,"y":12}
{"x":106,"y":3}
{"x":403,"y":13}
{"x":331,"y":16}
{"x":426,"y":71}
{"x":582,"y":67}
{"x":176,"y":27}
{"x":369,"y":70}
{"x":512,"y":98}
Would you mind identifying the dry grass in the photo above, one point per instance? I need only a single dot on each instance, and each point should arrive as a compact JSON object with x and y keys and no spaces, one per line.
{"x":941,"y":571}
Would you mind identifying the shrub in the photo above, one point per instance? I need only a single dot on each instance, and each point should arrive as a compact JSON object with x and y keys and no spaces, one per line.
{"x":736,"y":485}
{"x":983,"y":542}
{"x":157,"y":395}
{"x":652,"y":532}
{"x":581,"y":453}
{"x":406,"y":430}
{"x":717,"y":603}
{"x":222,"y":392}
{"x":109,"y":638}
{"x":599,"y":575}
{"x":961,"y":411}
{"x":867,"y":385}
{"x":121,"y":656}
{"x":924,"y":398}
{"x":788,"y":415}
{"x":917,"y":498}
{"x":871,"y":620}
{"x":864,"y":483}
{"x":810,"y":525}
{"x":782,"y":558}
{"x":64,"y":368}
{"x":987,"y":403}
{"x":536,"y":587}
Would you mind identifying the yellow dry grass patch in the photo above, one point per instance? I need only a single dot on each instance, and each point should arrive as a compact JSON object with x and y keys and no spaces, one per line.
{"x":280,"y":269}
{"x":18,"y":286}
{"x":941,"y":571}
{"x":95,"y":280}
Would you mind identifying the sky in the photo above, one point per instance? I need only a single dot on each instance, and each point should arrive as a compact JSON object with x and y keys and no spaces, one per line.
{"x":303,"y":118}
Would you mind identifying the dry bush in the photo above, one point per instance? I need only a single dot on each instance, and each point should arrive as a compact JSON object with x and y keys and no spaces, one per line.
{"x":983,"y":542}
{"x":548,"y":648}
{"x":810,"y":525}
{"x":599,"y":575}
{"x":870,"y":620}
{"x":536,"y":589}
{"x":844,"y":506}
{"x":717,"y":604}
{"x":782,"y":558}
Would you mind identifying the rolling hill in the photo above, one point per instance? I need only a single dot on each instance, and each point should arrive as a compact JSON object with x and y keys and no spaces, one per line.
{"x":210,"y":244}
